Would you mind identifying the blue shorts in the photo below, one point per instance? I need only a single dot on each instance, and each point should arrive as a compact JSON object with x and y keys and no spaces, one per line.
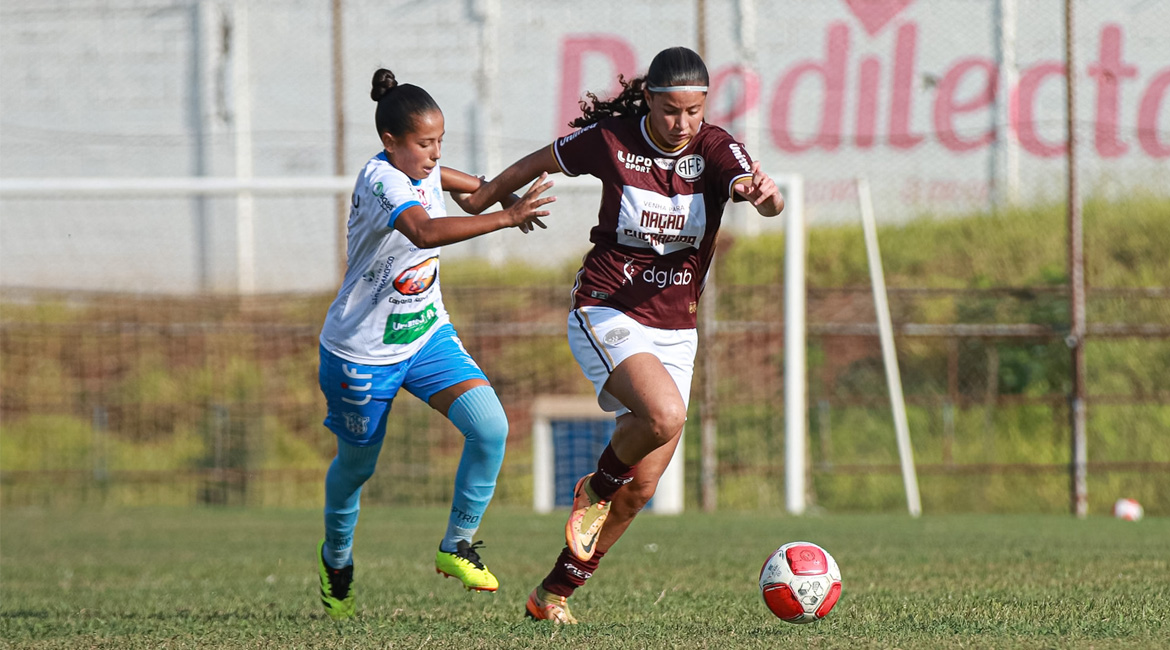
{"x":359,"y":396}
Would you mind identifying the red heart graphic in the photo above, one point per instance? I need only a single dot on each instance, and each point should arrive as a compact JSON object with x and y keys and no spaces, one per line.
{"x":874,"y":14}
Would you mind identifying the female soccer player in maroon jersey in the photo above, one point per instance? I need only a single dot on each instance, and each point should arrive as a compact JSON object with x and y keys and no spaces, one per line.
{"x":666,"y":177}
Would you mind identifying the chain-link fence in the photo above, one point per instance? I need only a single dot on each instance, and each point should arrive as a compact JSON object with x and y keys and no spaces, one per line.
{"x":158,"y":347}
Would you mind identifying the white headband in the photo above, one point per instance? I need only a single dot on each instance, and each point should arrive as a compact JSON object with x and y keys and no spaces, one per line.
{"x":676,"y":89}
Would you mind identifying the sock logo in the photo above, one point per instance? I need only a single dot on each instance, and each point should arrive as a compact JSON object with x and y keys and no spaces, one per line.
{"x":616,"y":480}
{"x":576,"y":572}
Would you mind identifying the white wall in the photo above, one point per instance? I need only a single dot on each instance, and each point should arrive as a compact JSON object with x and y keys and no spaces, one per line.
{"x":131,"y":88}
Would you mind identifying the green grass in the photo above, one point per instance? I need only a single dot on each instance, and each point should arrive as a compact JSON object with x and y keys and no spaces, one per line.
{"x":228,"y":578}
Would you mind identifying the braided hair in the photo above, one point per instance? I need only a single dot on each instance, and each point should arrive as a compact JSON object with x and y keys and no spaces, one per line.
{"x":674,"y":66}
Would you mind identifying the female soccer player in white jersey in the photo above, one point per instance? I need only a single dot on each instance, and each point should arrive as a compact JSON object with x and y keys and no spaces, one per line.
{"x":387,"y":329}
{"x":666,"y":177}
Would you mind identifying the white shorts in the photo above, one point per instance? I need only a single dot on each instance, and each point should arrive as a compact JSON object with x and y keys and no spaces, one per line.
{"x":602,"y":337}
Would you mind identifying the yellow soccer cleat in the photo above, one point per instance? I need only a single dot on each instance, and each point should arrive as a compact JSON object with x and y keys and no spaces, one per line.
{"x":336,"y":587}
{"x":545,"y":606}
{"x":585,"y":522}
{"x":465,"y":564}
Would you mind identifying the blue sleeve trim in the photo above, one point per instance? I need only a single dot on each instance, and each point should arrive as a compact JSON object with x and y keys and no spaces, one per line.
{"x":397,"y":211}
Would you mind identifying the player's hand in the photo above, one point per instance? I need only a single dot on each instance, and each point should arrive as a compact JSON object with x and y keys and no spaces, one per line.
{"x":526,"y":212}
{"x":761,"y":192}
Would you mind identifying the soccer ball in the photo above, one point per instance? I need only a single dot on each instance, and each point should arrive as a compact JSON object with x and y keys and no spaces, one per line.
{"x":800,"y":582}
{"x":1128,"y":510}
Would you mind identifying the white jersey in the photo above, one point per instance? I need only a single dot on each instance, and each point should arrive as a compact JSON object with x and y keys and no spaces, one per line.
{"x":389,"y":304}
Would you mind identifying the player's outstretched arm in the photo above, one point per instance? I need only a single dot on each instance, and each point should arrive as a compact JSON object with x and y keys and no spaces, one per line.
{"x":761,"y":192}
{"x":513,"y":178}
{"x":460,"y":185}
{"x":425,"y":232}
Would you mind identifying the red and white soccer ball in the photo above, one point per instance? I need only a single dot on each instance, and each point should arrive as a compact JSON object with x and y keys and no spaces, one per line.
{"x":800,"y":582}
{"x":1128,"y":510}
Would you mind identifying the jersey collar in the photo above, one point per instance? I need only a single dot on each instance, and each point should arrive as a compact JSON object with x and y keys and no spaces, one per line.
{"x":648,"y":136}
{"x":386,"y":159}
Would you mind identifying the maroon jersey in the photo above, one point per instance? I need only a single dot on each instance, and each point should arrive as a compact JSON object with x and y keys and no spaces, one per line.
{"x":660,"y":212}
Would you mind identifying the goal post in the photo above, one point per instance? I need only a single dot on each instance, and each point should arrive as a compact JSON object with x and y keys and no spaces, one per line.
{"x":569,"y":432}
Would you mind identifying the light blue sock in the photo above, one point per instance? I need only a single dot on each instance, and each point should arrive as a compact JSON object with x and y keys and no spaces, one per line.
{"x":351,"y":468}
{"x":480,"y":417}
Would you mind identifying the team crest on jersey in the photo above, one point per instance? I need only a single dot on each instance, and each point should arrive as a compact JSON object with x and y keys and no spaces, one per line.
{"x":690,"y":167}
{"x":417,"y":278}
{"x":357,"y":424}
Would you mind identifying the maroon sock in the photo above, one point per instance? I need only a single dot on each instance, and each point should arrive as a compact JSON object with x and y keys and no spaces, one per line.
{"x":611,"y":474}
{"x":570,"y":573}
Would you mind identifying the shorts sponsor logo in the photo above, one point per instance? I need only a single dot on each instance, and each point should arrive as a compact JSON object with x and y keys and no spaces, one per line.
{"x":690,"y":167}
{"x":404,"y":328}
{"x":667,"y":277}
{"x":357,"y":424}
{"x":616,"y":336}
{"x":417,"y":278}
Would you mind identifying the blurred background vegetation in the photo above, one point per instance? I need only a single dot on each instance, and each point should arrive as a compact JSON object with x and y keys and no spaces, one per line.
{"x":135,"y":400}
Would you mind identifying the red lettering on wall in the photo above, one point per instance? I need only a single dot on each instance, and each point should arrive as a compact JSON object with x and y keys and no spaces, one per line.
{"x":902,"y":107}
{"x":867,"y":101}
{"x":1023,"y":102}
{"x":1151,"y":105}
{"x":1109,"y":71}
{"x":573,"y":51}
{"x":749,"y":96}
{"x":832,"y":73}
{"x":946,"y":105}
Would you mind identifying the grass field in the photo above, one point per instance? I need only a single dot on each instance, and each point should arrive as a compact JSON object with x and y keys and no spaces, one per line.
{"x":225,"y":578}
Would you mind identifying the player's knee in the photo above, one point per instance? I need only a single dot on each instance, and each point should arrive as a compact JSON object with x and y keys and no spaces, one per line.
{"x":361,"y":473}
{"x":666,"y":420}
{"x":481,"y":417}
{"x":356,"y":468}
{"x":491,"y":429}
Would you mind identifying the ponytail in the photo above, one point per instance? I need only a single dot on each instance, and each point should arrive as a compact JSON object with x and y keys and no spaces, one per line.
{"x":672,"y":67}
